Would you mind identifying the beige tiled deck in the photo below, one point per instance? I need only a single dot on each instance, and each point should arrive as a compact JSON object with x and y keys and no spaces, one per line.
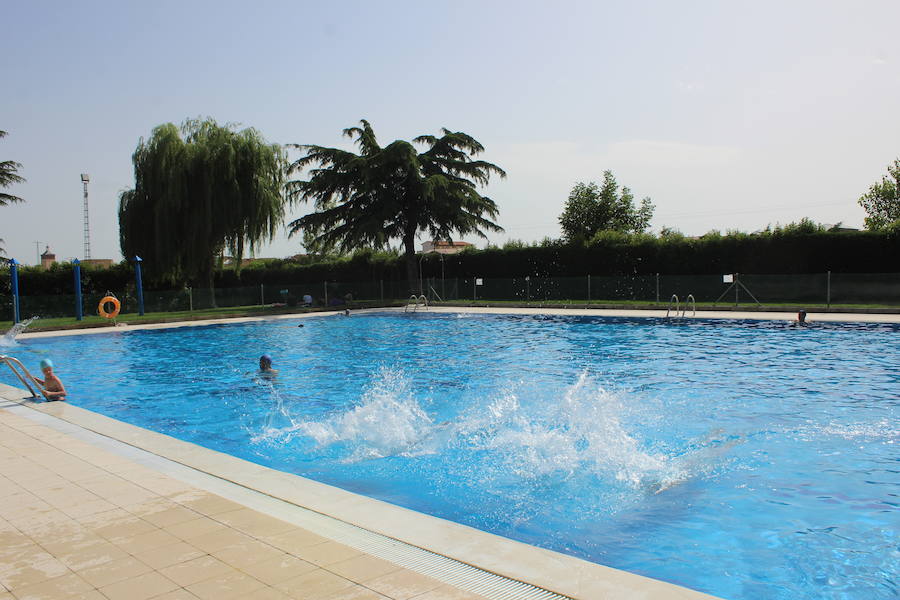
{"x":79,"y":522}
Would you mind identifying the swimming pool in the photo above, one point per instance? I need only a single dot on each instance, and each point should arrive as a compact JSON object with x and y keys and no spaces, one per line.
{"x":744,"y":459}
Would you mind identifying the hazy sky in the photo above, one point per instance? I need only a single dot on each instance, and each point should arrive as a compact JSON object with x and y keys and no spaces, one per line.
{"x":728,"y":115}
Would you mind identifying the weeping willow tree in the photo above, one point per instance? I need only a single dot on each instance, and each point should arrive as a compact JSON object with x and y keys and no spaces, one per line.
{"x":199,"y":190}
{"x":394,"y":192}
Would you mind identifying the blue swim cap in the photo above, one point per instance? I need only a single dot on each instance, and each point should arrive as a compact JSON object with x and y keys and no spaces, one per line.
{"x":265,"y":357}
{"x":46,"y":363}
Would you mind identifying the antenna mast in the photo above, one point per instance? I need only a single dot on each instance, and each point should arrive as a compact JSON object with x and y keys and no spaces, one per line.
{"x":85,"y":178}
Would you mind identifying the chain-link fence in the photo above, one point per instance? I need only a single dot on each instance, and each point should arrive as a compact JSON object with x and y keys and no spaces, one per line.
{"x":824,"y":289}
{"x":820,"y":289}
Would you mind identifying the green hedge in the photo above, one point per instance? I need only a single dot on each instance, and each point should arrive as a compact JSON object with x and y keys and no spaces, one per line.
{"x":612,"y":254}
{"x":606,"y":254}
{"x":59,"y":279}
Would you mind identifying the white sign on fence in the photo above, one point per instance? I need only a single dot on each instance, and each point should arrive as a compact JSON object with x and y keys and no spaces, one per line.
{"x":728,"y":278}
{"x":479,"y":281}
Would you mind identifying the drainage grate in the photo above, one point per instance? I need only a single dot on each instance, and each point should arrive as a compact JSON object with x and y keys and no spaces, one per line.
{"x":442,"y":568}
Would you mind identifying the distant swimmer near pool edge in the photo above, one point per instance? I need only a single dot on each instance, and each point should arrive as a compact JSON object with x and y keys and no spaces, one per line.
{"x":801,"y":320}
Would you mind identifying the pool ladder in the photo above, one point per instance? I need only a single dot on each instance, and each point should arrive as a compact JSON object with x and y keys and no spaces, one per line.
{"x":414,"y":301}
{"x":19,"y":371}
{"x":689,"y":301}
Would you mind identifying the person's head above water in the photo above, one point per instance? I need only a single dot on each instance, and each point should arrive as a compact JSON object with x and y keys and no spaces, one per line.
{"x":46,"y":364}
{"x":265,"y":365}
{"x":801,"y":316}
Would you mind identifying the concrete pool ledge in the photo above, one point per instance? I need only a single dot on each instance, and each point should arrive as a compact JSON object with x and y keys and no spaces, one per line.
{"x":122,"y":327}
{"x":812,"y":317}
{"x":545,"y":569}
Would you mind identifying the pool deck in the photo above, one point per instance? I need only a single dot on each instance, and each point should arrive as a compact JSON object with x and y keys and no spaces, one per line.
{"x":94,"y":508}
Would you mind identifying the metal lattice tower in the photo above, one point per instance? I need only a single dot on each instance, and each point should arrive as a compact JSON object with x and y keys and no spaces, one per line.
{"x":85,"y":178}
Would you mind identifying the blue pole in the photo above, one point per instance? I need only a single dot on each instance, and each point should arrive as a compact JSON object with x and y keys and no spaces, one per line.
{"x":140,"y":287}
{"x":77,"y":271}
{"x":14,"y":278}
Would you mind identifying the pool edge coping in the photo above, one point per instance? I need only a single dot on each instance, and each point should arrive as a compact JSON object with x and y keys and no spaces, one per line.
{"x":885,"y":318}
{"x":519,"y":561}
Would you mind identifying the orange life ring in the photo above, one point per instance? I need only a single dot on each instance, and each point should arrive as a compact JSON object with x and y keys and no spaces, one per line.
{"x":101,"y":308}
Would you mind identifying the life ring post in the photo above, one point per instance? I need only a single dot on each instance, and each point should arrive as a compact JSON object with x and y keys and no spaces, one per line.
{"x":116,"y":307}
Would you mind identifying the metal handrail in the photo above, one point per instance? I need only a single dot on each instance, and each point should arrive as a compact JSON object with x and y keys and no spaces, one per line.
{"x":693,"y":304}
{"x":434,"y":291}
{"x":14,"y":365}
{"x":415,"y":302}
{"x":674,"y":299}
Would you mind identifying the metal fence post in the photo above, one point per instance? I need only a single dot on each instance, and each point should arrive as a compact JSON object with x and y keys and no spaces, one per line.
{"x":657,"y":288}
{"x":77,"y":271}
{"x":262,"y":296}
{"x":381,"y":285}
{"x":325,"y":283}
{"x":14,"y":281}
{"x":828,"y":291}
{"x":589,"y":288}
{"x":191,"y":299}
{"x":139,"y":284}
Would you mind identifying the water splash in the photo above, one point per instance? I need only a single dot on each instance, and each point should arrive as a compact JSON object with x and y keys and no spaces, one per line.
{"x":882,"y":430}
{"x":581,"y":434}
{"x":9,"y":338}
{"x":276,"y":422}
{"x":387,"y":422}
{"x":279,"y":410}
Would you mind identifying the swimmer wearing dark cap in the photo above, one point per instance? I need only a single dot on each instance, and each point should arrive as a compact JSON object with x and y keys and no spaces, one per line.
{"x":800,"y":321}
{"x":265,"y":365}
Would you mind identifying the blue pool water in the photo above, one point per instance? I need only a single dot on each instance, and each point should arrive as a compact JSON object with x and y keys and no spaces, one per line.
{"x":744,"y":459}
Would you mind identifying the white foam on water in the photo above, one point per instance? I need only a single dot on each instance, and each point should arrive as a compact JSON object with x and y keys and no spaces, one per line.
{"x":583,"y":432}
{"x":278,"y":407}
{"x":8,"y":339}
{"x":272,"y":429}
{"x":387,"y":422}
{"x":877,"y":430}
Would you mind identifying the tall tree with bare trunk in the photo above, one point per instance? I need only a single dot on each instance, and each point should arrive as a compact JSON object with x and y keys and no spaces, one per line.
{"x":394,"y":192}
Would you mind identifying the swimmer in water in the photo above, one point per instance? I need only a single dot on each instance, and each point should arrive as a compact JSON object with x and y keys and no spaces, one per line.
{"x":265,"y":365}
{"x":801,"y":318}
{"x":53,"y":387}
